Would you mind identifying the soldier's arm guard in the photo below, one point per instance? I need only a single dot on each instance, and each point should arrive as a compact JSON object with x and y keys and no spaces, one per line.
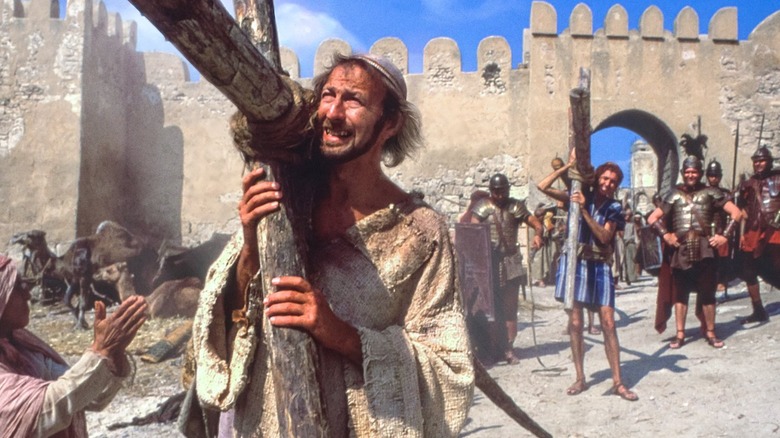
{"x":659,"y":228}
{"x":729,"y":230}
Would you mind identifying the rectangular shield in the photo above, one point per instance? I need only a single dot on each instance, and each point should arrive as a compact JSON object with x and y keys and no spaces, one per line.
{"x":472,"y":245}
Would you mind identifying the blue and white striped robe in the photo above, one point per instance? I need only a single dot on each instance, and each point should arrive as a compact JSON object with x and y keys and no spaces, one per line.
{"x":593,"y":283}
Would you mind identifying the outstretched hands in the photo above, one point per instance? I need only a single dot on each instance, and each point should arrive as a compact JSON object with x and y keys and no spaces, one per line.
{"x":113,"y":333}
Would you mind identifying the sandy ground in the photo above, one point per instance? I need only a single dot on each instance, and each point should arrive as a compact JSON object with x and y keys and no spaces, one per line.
{"x":695,"y":391}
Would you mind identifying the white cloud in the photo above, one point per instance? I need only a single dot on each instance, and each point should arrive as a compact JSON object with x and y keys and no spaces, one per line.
{"x":302,"y":30}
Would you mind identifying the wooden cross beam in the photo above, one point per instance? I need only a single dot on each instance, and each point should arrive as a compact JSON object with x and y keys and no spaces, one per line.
{"x":579,"y":139}
{"x":229,"y":56}
{"x":206,"y":34}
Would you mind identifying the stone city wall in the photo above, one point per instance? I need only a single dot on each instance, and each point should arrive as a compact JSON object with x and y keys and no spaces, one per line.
{"x":91,"y":129}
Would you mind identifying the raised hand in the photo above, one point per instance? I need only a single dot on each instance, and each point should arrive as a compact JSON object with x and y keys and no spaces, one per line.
{"x":113,"y":333}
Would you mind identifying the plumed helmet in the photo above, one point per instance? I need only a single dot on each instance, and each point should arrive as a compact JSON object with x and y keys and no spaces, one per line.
{"x":499,"y":181}
{"x":556,"y":163}
{"x":762,"y":153}
{"x":692,"y":161}
{"x":714,"y":169}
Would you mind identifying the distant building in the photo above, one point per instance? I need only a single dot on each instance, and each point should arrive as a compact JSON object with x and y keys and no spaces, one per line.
{"x":644,"y":175}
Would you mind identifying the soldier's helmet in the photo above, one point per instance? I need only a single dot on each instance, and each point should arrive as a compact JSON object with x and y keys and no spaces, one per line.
{"x":714,"y":169}
{"x":499,"y":181}
{"x":556,"y":163}
{"x":691,"y":161}
{"x":762,"y":153}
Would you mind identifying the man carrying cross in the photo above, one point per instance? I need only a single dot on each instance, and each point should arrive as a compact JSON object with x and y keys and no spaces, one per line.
{"x":593,"y":287}
{"x":381,"y":300}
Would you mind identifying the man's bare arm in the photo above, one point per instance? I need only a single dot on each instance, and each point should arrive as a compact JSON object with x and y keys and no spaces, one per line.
{"x":545,"y":185}
{"x":536,"y":224}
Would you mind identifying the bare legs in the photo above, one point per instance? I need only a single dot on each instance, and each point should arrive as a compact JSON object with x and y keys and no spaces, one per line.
{"x":511,"y":334}
{"x":681,"y":313}
{"x":592,"y":329}
{"x":611,"y":347}
{"x":577,"y":349}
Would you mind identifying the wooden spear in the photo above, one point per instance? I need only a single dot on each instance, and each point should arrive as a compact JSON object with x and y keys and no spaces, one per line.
{"x":579,"y":139}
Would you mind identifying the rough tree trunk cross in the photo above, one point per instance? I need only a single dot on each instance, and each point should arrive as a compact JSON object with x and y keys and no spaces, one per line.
{"x":228,"y":55}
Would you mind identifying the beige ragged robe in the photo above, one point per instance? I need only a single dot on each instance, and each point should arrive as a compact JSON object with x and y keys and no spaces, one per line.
{"x":393,"y":276}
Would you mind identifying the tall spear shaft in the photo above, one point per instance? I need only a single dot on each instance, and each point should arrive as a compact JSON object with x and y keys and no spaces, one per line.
{"x":734,"y":167}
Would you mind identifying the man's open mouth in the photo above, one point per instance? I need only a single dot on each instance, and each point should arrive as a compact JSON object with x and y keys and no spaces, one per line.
{"x":337,"y":133}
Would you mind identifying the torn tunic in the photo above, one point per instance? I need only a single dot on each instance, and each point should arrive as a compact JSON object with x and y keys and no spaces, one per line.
{"x":393,"y":277}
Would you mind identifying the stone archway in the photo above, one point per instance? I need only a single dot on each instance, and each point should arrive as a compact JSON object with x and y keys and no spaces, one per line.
{"x":657,"y":134}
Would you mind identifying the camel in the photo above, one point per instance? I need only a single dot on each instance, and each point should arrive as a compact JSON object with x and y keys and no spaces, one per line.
{"x":171,"y":298}
{"x":178,"y":262}
{"x":39,"y":261}
{"x":119,"y":276}
{"x":73,"y":270}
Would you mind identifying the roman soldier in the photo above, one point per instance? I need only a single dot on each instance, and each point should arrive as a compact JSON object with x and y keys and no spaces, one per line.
{"x":689,"y":209}
{"x":505,"y":214}
{"x":759,"y":197}
{"x":714,"y":174}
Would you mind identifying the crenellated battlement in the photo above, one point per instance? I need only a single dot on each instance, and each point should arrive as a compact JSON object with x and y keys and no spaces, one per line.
{"x":27,"y":15}
{"x":443,"y":54}
{"x":722,"y":27}
{"x":80,"y":106}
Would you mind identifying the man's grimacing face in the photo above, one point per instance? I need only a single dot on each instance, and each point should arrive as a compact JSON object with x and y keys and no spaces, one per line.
{"x":350,"y":113}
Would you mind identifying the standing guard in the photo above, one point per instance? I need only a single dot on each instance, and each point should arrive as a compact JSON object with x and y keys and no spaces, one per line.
{"x":714,"y":174}
{"x":690,"y":210}
{"x":759,"y":196}
{"x":505,"y":214}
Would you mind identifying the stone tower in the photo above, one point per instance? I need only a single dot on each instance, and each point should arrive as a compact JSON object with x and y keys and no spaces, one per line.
{"x":644,"y":175}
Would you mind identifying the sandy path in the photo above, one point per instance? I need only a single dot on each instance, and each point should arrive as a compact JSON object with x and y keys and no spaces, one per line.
{"x":695,"y":391}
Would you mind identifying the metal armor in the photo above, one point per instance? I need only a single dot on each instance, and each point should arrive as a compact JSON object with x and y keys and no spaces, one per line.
{"x":761,"y":198}
{"x":721,"y":218}
{"x":506,"y":220}
{"x":694,"y":211}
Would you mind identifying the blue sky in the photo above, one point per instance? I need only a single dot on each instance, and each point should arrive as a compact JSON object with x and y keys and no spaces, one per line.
{"x":303,"y":24}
